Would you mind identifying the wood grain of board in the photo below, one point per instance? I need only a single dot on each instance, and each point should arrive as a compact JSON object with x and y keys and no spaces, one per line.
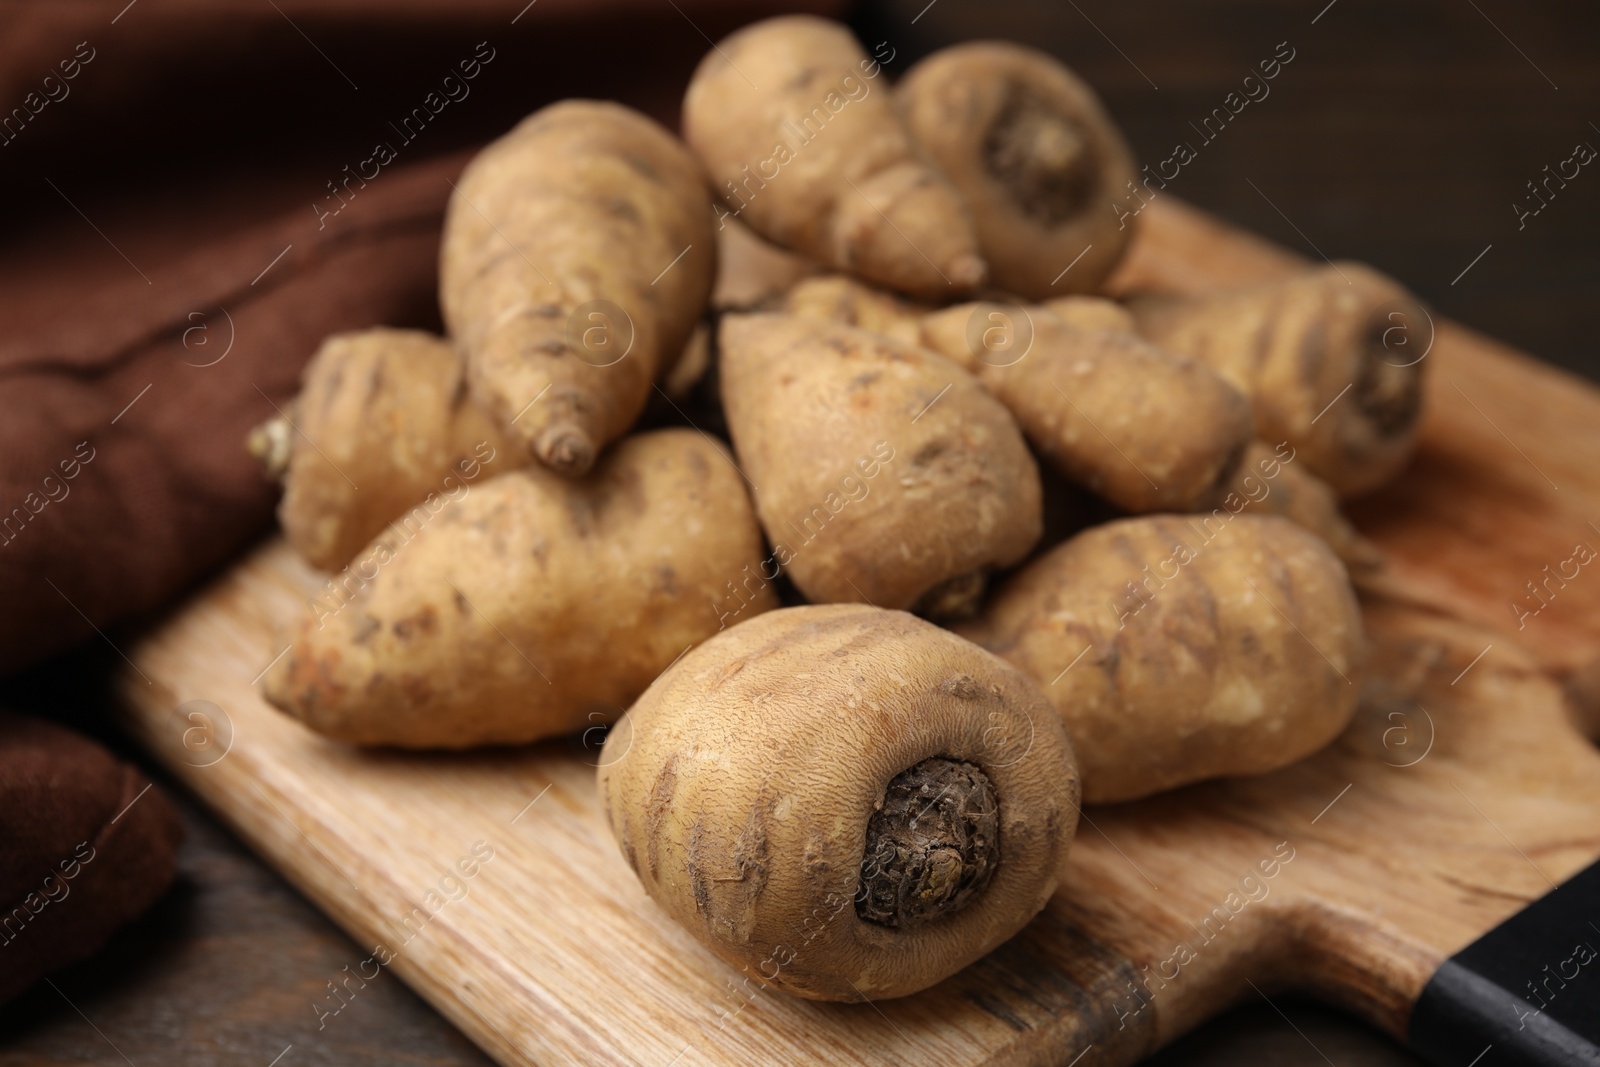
{"x":1461,"y":792}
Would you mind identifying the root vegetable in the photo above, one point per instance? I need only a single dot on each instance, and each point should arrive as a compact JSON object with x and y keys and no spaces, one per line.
{"x":529,"y":607}
{"x":845,"y":802}
{"x":838,"y":298}
{"x":578,"y":255}
{"x":805,"y":148}
{"x":1332,"y":361}
{"x":1184,"y":648}
{"x":383,"y":419}
{"x":1035,"y":157}
{"x":691,"y":367}
{"x":751,"y":270}
{"x":1269,"y":482}
{"x":883,"y":473}
{"x":1145,"y":430}
{"x":1092,"y":313}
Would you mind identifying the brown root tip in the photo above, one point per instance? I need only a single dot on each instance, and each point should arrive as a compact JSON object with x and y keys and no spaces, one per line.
{"x":967,"y":272}
{"x":1043,"y":157}
{"x":272,"y":444}
{"x":956,"y":598}
{"x":565,"y":451}
{"x":1389,"y":392}
{"x":932,"y":846}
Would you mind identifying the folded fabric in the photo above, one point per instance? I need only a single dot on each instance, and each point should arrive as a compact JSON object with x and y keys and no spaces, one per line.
{"x":86,"y":844}
{"x":125,"y":474}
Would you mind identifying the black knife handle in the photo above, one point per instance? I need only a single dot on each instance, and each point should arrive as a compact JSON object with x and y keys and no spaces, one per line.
{"x":1526,"y":994}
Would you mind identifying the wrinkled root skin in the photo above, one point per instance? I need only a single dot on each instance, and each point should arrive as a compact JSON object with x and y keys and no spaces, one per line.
{"x":1296,"y":345}
{"x":551,"y":274}
{"x":843,"y":802}
{"x":816,"y":160}
{"x":1210,"y":646}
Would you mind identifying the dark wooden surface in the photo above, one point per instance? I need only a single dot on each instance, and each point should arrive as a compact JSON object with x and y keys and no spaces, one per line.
{"x":1401,"y":134}
{"x":230,"y":968}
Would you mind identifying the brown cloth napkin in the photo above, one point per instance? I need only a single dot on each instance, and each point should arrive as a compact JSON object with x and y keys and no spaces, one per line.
{"x":86,"y":844}
{"x":123,"y":410}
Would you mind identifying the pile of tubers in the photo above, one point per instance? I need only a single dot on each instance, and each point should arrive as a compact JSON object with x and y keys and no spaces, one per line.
{"x":807,"y":512}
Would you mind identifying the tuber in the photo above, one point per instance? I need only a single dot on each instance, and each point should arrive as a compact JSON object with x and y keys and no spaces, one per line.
{"x":802,"y":148}
{"x":1035,"y":157}
{"x":578,"y":255}
{"x":530,"y":605}
{"x":1332,"y":360}
{"x":751,"y":270}
{"x":1184,"y":648}
{"x":842,"y":299}
{"x":848,"y":803}
{"x":883,"y":473}
{"x":1145,"y":430}
{"x":383,"y":419}
{"x":1092,"y":313}
{"x":1268,"y":481}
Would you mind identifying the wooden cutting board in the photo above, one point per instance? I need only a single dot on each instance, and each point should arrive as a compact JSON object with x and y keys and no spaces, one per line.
{"x":1461,"y":792}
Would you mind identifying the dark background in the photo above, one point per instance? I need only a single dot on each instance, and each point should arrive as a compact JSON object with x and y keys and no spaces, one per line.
{"x":1401,"y":134}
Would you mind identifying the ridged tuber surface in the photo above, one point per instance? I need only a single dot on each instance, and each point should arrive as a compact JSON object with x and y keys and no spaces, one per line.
{"x":843,"y":802}
{"x":882,"y":471}
{"x":1144,"y":429}
{"x":561,"y":276}
{"x":1332,"y":360}
{"x":1181,"y":648}
{"x":1091,"y":313}
{"x":1270,"y":481}
{"x":383,"y":420}
{"x":1035,"y":157}
{"x":530,"y":606}
{"x":803,"y":144}
{"x":840,"y":298}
